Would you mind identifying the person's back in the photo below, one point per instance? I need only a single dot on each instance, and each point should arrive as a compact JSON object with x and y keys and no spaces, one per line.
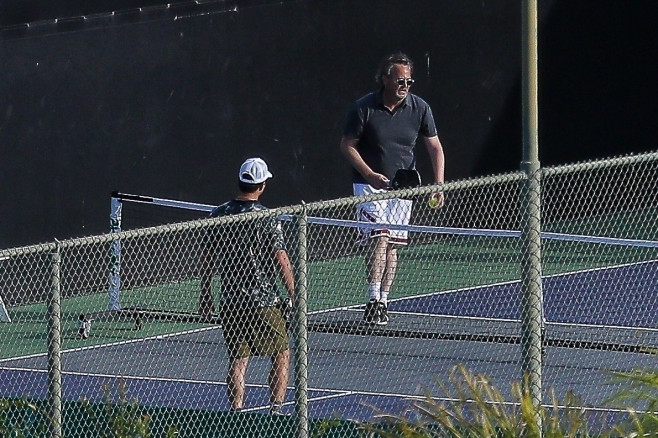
{"x":248,"y":254}
{"x":245,"y":251}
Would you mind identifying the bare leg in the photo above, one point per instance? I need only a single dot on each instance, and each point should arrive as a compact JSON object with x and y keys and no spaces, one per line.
{"x":376,"y":259}
{"x":391,"y":268}
{"x":236,"y":381}
{"x":278,"y":378}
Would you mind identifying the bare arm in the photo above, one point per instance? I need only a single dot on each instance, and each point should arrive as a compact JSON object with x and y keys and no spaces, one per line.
{"x":435,"y":150}
{"x":285,"y":268}
{"x":348,"y":148}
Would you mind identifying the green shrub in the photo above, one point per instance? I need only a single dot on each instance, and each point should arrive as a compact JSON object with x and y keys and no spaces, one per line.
{"x":120,"y":418}
{"x":470,"y":406}
{"x":20,"y":418}
{"x":640,"y":400}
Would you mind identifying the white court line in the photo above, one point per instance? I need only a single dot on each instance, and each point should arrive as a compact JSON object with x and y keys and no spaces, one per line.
{"x":356,"y":306}
{"x":415,"y":397}
{"x":114,"y":344}
{"x":620,"y":327}
{"x":310,"y":400}
{"x":476,"y":288}
{"x":333,"y":393}
{"x":480,"y":318}
{"x":336,"y":392}
{"x":439,"y":315}
{"x":122,"y":376}
{"x":160,"y":379}
{"x":508,"y":282}
{"x":505,"y":283}
{"x":429,"y":294}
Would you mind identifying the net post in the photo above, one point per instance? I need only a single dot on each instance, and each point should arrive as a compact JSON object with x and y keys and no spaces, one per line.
{"x":54,"y":348}
{"x":114,"y":290}
{"x":532,"y":295}
{"x":301,"y":325}
{"x":4,"y":314}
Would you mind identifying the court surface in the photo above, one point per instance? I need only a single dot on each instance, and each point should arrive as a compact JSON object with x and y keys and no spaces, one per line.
{"x":356,"y":370}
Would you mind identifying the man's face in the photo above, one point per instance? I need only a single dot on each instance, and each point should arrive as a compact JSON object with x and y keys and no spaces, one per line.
{"x":397,"y":83}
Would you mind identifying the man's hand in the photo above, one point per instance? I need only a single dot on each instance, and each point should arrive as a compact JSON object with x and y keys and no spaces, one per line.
{"x":378,"y":181}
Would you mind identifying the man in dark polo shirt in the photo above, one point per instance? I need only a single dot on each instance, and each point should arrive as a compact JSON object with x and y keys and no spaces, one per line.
{"x":379,"y":137}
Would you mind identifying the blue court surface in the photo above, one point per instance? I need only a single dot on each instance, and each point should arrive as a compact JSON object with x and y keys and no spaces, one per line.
{"x":598,"y":321}
{"x":620,"y":296}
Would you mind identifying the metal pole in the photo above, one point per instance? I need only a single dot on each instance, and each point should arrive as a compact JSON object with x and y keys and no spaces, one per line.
{"x":114,"y":291}
{"x":54,"y":349}
{"x":530,"y":83}
{"x":532,"y":295}
{"x":301,"y":328}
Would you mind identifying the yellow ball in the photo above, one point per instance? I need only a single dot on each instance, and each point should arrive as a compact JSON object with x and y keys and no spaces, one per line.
{"x":433,"y":202}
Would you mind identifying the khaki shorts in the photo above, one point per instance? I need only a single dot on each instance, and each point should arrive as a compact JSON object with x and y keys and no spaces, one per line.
{"x":253,"y":331}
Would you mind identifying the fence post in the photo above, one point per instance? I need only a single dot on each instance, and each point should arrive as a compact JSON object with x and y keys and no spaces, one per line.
{"x":532,"y":319}
{"x":532,"y":295}
{"x":54,"y":339}
{"x":301,"y":327}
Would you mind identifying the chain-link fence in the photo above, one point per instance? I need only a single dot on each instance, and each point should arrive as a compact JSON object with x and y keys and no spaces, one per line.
{"x":451,"y":292}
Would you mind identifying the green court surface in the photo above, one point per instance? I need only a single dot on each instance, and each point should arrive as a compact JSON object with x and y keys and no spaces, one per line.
{"x":634,"y":224}
{"x":27,"y":333}
{"x":448,"y":263}
{"x":461,"y":262}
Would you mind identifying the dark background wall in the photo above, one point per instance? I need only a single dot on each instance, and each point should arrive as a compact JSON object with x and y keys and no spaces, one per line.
{"x":19,"y":12}
{"x":168,"y":103}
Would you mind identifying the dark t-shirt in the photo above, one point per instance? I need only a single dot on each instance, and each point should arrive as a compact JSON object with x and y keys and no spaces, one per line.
{"x":387,"y":139}
{"x":246,"y":255}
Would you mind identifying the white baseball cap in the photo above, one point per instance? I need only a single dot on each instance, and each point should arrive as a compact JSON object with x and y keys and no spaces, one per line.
{"x":254,"y":171}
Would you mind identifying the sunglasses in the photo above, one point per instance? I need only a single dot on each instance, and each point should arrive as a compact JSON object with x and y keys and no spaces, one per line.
{"x":404,"y":82}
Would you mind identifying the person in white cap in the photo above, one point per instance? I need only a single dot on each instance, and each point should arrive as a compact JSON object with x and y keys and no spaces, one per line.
{"x":248,"y":256}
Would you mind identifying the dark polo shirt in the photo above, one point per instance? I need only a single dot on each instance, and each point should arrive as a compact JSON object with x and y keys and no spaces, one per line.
{"x":387,"y":139}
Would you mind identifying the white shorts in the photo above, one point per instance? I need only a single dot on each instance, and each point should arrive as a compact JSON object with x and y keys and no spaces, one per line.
{"x":390,"y":211}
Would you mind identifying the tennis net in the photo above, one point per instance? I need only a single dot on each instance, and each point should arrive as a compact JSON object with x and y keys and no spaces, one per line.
{"x":463,"y":284}
{"x":452,"y":283}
